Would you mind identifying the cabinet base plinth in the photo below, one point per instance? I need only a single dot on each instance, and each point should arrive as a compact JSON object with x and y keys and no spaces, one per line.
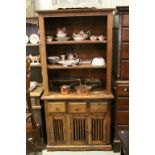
{"x":79,"y":147}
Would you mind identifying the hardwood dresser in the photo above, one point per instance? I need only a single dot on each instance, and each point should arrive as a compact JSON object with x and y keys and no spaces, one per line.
{"x":73,"y":121}
{"x":121,"y":73}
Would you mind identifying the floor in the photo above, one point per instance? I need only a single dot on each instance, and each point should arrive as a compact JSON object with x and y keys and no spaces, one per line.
{"x":79,"y":153}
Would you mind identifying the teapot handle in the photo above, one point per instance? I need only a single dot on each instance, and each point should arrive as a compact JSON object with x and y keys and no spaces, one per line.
{"x":88,"y":33}
{"x":75,"y":56}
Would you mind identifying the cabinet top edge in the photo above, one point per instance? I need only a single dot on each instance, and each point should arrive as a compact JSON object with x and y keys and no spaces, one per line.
{"x":75,"y":97}
{"x":122,"y":10}
{"x":75,"y":10}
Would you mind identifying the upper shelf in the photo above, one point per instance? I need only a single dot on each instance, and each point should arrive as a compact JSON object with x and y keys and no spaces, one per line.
{"x":76,"y":42}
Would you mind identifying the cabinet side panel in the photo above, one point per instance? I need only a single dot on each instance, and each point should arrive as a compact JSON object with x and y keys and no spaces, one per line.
{"x":43,"y":53}
{"x":109,"y":52}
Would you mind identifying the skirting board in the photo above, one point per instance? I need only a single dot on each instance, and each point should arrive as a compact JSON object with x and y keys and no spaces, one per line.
{"x":79,"y":148}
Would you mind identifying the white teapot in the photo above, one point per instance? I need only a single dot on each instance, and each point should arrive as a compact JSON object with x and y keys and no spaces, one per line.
{"x":71,"y":56}
{"x":81,"y":35}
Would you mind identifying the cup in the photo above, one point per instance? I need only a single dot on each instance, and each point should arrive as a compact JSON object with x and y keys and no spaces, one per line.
{"x":49,"y":38}
{"x":62,"y":57}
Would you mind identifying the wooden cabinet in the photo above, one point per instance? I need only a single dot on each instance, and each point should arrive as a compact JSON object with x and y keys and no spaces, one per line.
{"x":77,"y":122}
{"x":121,"y":74}
{"x":78,"y":125}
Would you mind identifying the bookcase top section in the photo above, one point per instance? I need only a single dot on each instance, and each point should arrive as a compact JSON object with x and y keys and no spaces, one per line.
{"x":74,"y":12}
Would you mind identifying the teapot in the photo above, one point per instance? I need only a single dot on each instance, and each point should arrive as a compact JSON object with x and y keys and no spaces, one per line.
{"x":71,"y":56}
{"x":81,"y":35}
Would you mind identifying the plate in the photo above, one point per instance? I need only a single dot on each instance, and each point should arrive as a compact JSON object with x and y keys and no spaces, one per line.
{"x":34,"y":38}
{"x":62,"y":38}
{"x":27,"y":39}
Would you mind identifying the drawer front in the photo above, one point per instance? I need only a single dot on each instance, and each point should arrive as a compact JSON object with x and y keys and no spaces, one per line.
{"x":77,"y":107}
{"x":124,"y":70}
{"x":56,"y":107}
{"x":125,"y":20}
{"x":122,"y":103}
{"x":125,"y":51}
{"x":125,"y":34}
{"x":98,"y":107}
{"x":119,"y":128}
{"x":122,"y":117}
{"x":123,"y":90}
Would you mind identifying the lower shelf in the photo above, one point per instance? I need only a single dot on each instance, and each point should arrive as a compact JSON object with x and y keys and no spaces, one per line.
{"x":79,"y":148}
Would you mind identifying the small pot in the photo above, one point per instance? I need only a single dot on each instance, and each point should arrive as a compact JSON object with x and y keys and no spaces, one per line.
{"x":85,"y":89}
{"x":65,"y":89}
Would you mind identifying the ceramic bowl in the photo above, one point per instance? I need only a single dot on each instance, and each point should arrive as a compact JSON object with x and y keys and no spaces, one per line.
{"x":99,"y":61}
{"x":93,"y":38}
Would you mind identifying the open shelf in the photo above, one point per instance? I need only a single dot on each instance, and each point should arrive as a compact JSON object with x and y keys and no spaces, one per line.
{"x":79,"y":66}
{"x":31,"y":45}
{"x":93,"y":95}
{"x":76,"y":42}
{"x":35,"y":65}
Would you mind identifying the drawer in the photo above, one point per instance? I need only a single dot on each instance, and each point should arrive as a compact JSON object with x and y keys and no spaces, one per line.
{"x":119,"y":128}
{"x":122,"y":103}
{"x":77,"y":107}
{"x":125,"y":51}
{"x":124,"y":74}
{"x":125,"y":34}
{"x":125,"y":20}
{"x":122,"y":117}
{"x":122,"y":90}
{"x":98,"y":106}
{"x":56,"y":107}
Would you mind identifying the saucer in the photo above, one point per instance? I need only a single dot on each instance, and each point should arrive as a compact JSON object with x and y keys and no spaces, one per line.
{"x":62,"y":38}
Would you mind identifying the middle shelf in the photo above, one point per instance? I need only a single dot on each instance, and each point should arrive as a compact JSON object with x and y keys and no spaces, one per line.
{"x":79,"y":66}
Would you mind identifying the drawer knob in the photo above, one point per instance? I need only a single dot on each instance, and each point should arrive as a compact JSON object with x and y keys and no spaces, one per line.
{"x":125,"y":89}
{"x":57,"y":109}
{"x":77,"y":109}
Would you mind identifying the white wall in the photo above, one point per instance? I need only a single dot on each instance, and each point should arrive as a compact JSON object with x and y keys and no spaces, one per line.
{"x":50,"y":4}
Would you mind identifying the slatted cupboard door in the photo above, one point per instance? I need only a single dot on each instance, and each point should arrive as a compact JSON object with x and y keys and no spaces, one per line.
{"x":58,"y":129}
{"x":79,"y":129}
{"x":97,"y":127}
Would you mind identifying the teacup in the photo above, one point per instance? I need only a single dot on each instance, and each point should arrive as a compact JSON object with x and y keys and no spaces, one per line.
{"x":101,"y":37}
{"x":49,"y":38}
{"x":93,"y":37}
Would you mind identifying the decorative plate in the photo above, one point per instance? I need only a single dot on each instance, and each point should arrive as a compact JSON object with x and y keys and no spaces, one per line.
{"x":27,"y":39}
{"x":34,"y":38}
